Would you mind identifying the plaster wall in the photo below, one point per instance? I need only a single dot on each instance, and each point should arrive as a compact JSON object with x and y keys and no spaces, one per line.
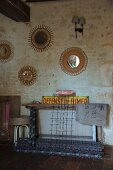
{"x":97,"y":42}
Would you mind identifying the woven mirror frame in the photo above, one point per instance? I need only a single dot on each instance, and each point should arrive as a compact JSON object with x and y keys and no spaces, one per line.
{"x":6,"y":51}
{"x":27,"y":75}
{"x":41,"y":38}
{"x":73,"y":61}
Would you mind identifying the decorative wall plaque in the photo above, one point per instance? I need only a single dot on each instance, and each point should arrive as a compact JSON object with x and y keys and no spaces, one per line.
{"x":64,"y":99}
{"x":73,"y":61}
{"x":6,"y":51}
{"x":27,"y":75}
{"x":41,"y":38}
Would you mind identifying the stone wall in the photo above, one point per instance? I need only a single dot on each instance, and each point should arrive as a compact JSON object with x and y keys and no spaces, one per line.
{"x":97,"y":42}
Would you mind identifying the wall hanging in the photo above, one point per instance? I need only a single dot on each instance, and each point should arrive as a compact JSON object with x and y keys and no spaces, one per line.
{"x":41,"y":38}
{"x":73,"y":61}
{"x":27,"y":75}
{"x":6,"y":51}
{"x":79,"y":24}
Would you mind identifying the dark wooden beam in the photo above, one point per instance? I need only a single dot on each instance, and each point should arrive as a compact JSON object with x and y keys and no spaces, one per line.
{"x":15,"y":9}
{"x":41,"y":0}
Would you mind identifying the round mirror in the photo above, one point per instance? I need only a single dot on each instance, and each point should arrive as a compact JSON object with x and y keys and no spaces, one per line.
{"x":5,"y":51}
{"x":41,"y":38}
{"x":27,"y":75}
{"x":73,"y":61}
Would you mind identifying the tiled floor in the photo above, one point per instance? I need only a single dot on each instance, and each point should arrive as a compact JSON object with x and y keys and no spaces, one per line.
{"x":108,"y":152}
{"x":10,"y":160}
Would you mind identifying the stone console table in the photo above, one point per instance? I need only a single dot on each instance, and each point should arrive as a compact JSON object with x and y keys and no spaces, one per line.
{"x":90,"y":149}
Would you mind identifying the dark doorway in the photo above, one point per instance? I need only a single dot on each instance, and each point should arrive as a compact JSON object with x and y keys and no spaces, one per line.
{"x":9,"y":107}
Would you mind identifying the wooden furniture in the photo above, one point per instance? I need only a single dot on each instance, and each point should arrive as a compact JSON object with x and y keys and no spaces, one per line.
{"x":21,"y":126}
{"x":9,"y":107}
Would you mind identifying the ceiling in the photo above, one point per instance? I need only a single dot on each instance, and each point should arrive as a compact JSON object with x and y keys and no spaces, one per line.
{"x":18,"y":10}
{"x":40,"y":0}
{"x":15,"y":9}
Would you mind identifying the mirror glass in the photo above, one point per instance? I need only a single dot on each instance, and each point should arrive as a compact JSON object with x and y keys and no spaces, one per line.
{"x":41,"y":38}
{"x":73,"y":61}
{"x":27,"y":74}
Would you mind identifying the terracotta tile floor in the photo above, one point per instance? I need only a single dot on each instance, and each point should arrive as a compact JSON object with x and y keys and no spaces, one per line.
{"x":10,"y":160}
{"x":108,"y":152}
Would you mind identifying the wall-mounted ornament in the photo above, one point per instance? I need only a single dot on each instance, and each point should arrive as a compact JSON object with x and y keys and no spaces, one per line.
{"x":79,"y":24}
{"x":6,"y":51}
{"x":41,"y":38}
{"x":73,"y":61}
{"x":27,"y":75}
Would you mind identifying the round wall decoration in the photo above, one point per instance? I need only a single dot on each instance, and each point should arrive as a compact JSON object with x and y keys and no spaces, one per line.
{"x":27,"y":75}
{"x":73,"y":61}
{"x":41,"y":38}
{"x":6,"y":51}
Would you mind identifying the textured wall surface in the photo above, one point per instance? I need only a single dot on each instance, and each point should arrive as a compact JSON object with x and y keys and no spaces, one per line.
{"x":97,"y":42}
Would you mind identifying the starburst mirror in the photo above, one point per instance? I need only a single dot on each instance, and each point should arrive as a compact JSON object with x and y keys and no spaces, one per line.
{"x":41,"y":38}
{"x":6,"y":51}
{"x":27,"y":75}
